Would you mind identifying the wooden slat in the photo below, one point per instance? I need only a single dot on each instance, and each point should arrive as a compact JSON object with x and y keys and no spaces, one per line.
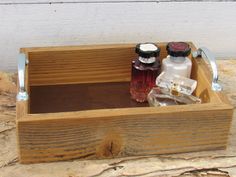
{"x":109,"y":135}
{"x":109,"y":113}
{"x":110,"y":64}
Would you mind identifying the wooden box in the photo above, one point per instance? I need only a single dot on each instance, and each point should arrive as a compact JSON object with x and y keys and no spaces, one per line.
{"x":79,"y":107}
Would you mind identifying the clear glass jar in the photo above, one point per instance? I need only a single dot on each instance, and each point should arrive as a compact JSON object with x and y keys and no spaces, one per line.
{"x":177,"y":61}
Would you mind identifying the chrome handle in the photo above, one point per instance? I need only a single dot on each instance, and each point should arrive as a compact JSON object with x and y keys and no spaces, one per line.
{"x":22,"y":94}
{"x":203,"y":51}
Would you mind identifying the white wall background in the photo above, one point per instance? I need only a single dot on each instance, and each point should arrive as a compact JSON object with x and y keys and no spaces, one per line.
{"x":30,"y":23}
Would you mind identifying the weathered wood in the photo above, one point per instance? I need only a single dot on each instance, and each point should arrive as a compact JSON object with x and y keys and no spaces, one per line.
{"x":207,"y":163}
{"x":121,"y":131}
{"x":110,"y":136}
{"x":108,"y":63}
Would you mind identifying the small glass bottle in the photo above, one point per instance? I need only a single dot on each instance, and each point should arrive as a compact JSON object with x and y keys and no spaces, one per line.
{"x":145,"y":69}
{"x":172,"y":89}
{"x":182,"y":84}
{"x":160,"y":96}
{"x":177,"y":61}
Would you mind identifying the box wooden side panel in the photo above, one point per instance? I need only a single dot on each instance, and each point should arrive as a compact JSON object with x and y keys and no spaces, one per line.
{"x":75,"y":136}
{"x":202,"y":73}
{"x":82,"y":64}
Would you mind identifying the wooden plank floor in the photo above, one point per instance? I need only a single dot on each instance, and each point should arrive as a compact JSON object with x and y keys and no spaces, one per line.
{"x":207,"y":163}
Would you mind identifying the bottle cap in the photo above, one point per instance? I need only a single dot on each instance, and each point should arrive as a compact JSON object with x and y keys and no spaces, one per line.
{"x":147,"y":50}
{"x":178,"y":49}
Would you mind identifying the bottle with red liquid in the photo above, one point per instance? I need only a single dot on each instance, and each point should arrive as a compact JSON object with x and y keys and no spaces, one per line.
{"x":145,"y":69}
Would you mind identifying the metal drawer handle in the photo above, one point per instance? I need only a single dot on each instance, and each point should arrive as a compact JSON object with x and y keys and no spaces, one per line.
{"x":22,"y":94}
{"x":210,"y":57}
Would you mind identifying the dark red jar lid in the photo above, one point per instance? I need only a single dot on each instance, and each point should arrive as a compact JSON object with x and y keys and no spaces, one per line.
{"x":178,"y":49}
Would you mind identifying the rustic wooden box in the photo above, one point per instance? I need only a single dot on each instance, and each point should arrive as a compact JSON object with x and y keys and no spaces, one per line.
{"x":79,"y":107}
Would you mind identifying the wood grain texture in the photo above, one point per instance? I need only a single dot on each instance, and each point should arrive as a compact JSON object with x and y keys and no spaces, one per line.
{"x":118,"y":136}
{"x":205,"y":163}
{"x":109,"y":133}
{"x":205,"y":23}
{"x":108,"y":63}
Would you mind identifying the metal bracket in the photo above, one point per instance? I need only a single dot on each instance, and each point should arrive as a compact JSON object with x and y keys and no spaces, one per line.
{"x":203,"y":51}
{"x":22,"y":62}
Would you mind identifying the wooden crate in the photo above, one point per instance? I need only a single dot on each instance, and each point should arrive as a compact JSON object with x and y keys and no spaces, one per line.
{"x":79,"y":107}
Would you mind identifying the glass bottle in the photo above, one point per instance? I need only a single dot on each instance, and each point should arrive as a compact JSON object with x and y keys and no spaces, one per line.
{"x":172,"y":89}
{"x":145,"y":69}
{"x":177,"y":61}
{"x":181,"y":84}
{"x":160,"y":96}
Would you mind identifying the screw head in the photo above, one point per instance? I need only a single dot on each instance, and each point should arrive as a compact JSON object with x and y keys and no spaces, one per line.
{"x":216,"y":87}
{"x":22,"y":96}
